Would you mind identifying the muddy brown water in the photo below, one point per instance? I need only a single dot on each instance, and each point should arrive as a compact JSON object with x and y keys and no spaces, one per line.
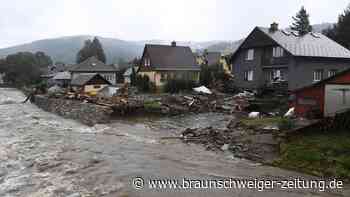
{"x":42,"y":155}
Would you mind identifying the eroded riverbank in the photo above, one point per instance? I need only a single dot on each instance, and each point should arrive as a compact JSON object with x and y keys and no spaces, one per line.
{"x":42,"y":154}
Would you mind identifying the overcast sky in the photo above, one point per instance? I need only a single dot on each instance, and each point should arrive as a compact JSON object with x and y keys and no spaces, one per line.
{"x":24,"y":21}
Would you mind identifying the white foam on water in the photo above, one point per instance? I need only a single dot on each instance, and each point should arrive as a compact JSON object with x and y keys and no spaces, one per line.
{"x":7,"y":100}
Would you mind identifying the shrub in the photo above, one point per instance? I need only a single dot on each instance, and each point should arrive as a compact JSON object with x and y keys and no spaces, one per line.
{"x":177,"y":85}
{"x":152,"y":105}
{"x":285,"y":124}
{"x":144,"y":84}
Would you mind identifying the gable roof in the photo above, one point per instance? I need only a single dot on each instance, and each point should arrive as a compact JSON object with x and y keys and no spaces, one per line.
{"x":165,"y":57}
{"x":92,"y":64}
{"x":309,"y":45}
{"x":85,"y":78}
{"x":62,"y":76}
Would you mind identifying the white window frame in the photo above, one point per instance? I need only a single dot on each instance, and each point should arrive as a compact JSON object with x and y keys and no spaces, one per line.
{"x":277,"y":52}
{"x":147,"y":62}
{"x":250,"y":54}
{"x":317,"y":75}
{"x":332,"y":72}
{"x":249,"y":75}
{"x":280,"y":74}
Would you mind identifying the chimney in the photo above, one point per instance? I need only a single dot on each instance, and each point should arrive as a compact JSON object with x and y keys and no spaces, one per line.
{"x":173,"y":44}
{"x":273,"y":27}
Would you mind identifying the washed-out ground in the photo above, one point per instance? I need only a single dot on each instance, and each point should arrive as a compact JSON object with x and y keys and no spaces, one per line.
{"x":42,"y":154}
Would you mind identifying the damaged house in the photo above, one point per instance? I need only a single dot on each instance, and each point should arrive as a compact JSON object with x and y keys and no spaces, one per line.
{"x":165,"y":62}
{"x":271,"y":58}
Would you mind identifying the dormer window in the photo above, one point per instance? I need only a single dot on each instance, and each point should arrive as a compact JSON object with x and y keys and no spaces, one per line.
{"x":277,"y":52}
{"x":250,"y":54}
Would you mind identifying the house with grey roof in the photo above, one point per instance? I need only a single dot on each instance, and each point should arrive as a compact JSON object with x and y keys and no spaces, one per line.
{"x":270,"y":57}
{"x":94,"y":66}
{"x":89,"y":83}
{"x":62,"y":79}
{"x":164,"y":62}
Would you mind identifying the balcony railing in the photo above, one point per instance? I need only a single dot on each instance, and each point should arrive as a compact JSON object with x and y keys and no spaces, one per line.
{"x":274,"y":61}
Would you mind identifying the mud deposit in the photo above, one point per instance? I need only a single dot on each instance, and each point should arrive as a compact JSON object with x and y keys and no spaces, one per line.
{"x":44,"y":155}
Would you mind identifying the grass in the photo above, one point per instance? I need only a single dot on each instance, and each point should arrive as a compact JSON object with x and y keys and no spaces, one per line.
{"x":321,"y":154}
{"x":257,"y":122}
{"x":152,"y":105}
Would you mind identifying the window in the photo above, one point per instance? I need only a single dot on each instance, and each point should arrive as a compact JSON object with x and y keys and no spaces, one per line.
{"x":277,"y":75}
{"x":332,"y":72}
{"x":147,"y":62}
{"x":97,"y":86}
{"x":318,"y":75}
{"x":248,"y":75}
{"x":277,"y":52}
{"x":250,"y":54}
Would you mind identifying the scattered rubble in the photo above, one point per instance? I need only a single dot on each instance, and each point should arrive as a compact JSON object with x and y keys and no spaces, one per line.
{"x":261,"y":145}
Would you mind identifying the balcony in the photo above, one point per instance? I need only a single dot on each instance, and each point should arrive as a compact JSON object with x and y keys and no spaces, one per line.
{"x":274,"y":61}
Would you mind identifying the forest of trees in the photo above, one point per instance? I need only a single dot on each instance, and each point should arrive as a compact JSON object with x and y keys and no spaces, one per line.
{"x":340,"y":32}
{"x":24,"y":68}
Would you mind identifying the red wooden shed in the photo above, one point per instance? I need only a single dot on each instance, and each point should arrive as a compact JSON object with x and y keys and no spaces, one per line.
{"x":324,"y":98}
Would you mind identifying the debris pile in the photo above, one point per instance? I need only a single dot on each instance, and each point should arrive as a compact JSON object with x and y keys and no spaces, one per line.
{"x":259,"y":145}
{"x":197,"y":103}
{"x":126,"y":100}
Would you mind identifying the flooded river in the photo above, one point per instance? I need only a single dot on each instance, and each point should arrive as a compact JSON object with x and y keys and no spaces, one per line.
{"x":44,"y":155}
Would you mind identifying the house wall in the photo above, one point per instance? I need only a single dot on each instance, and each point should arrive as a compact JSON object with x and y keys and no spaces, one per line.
{"x":155,"y":76}
{"x":94,"y":88}
{"x":151,"y":75}
{"x":337,"y":98}
{"x":240,"y":65}
{"x":309,"y":99}
{"x":258,"y":41}
{"x":318,"y":95}
{"x":301,"y":69}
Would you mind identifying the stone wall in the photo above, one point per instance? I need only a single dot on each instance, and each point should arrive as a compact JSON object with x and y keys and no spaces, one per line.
{"x":87,"y":113}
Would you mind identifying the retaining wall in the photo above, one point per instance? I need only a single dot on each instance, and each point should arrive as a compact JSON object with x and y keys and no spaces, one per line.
{"x":87,"y":113}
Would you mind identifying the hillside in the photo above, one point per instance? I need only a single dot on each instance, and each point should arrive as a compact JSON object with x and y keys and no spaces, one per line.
{"x":64,"y":49}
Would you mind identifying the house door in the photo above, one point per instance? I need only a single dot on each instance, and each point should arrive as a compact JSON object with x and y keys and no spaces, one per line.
{"x":337,"y":99}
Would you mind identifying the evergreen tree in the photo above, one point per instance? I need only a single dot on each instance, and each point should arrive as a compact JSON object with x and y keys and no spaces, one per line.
{"x":301,"y":22}
{"x":331,"y":32}
{"x":85,"y":52}
{"x":90,"y":49}
{"x":97,"y":50}
{"x":343,"y":29}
